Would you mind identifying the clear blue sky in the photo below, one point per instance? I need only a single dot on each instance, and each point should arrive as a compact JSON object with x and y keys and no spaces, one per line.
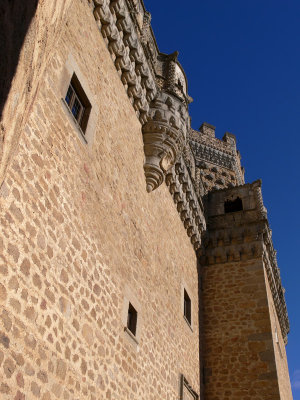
{"x":242,"y":62}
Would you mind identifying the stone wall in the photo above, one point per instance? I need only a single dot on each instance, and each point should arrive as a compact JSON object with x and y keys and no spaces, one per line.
{"x":241,"y":317}
{"x":81,"y":237}
{"x":239,"y":359}
{"x":279,"y":349}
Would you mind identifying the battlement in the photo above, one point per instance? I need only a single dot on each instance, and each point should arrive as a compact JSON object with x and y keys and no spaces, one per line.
{"x":218,"y":160}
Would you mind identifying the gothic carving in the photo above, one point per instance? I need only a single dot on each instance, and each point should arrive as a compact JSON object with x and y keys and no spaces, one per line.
{"x":119,"y":31}
{"x":189,"y":205}
{"x":215,"y":156}
{"x":146,"y":27}
{"x":164,"y":137}
{"x":259,"y":200}
{"x":273,"y":273}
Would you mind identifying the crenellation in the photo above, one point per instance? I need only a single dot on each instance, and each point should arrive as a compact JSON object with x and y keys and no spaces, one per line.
{"x":207,"y":129}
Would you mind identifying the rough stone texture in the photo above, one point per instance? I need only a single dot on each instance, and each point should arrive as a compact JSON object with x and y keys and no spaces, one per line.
{"x":81,"y":237}
{"x":27,"y":43}
{"x":239,"y":360}
{"x":78,"y":226}
{"x":279,"y":349}
{"x":242,"y":356}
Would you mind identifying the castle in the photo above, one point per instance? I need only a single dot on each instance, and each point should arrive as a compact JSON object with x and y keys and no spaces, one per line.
{"x":135,"y":261}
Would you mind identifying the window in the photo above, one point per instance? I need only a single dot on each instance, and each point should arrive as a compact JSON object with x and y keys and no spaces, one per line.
{"x":132,"y":319}
{"x":187,"y":307}
{"x":186,"y":392}
{"x":233,"y":205}
{"x":78,"y":103}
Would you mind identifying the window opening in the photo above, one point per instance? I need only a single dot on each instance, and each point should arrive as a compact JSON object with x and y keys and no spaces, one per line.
{"x":186,"y":391}
{"x":78,"y":103}
{"x":233,"y":205}
{"x":187,"y":307}
{"x":132,"y":319}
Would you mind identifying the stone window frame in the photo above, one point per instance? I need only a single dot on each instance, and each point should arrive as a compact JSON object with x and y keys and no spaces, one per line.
{"x":185,"y":287}
{"x":184,"y":384}
{"x":76,"y":96}
{"x":131,"y":298}
{"x":70,"y":69}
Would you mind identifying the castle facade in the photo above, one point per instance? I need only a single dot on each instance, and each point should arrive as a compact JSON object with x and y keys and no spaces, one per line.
{"x":136,"y":263}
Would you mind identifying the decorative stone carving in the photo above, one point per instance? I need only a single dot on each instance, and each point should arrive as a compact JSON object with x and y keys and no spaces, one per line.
{"x":120,"y":33}
{"x":273,"y":273}
{"x":259,"y":199}
{"x":164,"y":137}
{"x":146,"y":27}
{"x":189,"y":205}
{"x":206,"y":153}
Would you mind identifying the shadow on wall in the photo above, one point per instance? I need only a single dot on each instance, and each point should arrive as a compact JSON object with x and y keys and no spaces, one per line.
{"x":15,"y":19}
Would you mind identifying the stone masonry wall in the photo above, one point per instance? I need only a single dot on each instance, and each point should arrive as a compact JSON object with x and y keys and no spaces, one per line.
{"x":80,"y":237}
{"x":239,"y":357}
{"x":279,"y":350}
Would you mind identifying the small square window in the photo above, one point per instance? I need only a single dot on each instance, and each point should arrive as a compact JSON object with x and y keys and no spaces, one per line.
{"x":233,"y":205}
{"x":132,"y":319}
{"x":187,"y":309}
{"x":78,"y":103}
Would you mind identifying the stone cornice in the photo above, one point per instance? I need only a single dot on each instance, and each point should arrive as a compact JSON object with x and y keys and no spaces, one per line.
{"x":123,"y":42}
{"x":189,"y":205}
{"x":273,"y":273}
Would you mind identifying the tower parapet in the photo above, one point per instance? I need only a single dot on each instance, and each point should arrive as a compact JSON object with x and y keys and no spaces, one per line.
{"x":218,"y":160}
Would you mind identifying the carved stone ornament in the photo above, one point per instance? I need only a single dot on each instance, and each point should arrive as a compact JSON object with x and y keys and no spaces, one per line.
{"x":164,"y":137}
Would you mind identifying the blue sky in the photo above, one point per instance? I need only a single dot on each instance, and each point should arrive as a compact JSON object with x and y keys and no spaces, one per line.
{"x":242,"y":61}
